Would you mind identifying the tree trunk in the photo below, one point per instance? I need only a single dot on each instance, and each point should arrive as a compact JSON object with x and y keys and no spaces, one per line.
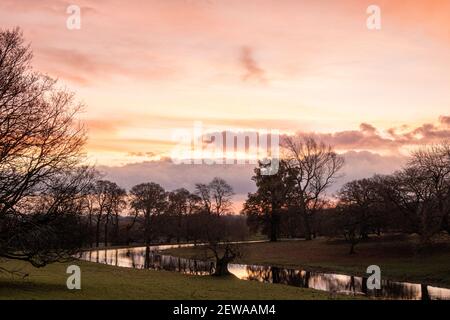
{"x":130,"y":226}
{"x":106,"y":231}
{"x":307,"y":227}
{"x":90,"y":230}
{"x":179,"y":228}
{"x":221,"y":267}
{"x":274,"y":220}
{"x":273,"y":235}
{"x":273,"y":229}
{"x":445,"y":223}
{"x":275,"y":275}
{"x":97,"y":233}
{"x":364,"y":285}
{"x":306,"y":279}
{"x":147,"y":258}
{"x":128,"y":236}
{"x":147,"y":230}
{"x":352,"y":248}
{"x":116,"y":229}
{"x":425,"y":241}
{"x":424,"y":291}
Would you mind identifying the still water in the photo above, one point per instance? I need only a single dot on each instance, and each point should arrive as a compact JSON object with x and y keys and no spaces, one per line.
{"x":151,"y":258}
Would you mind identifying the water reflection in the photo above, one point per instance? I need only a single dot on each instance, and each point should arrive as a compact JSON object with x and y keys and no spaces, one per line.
{"x":148,"y":258}
{"x":151,"y":258}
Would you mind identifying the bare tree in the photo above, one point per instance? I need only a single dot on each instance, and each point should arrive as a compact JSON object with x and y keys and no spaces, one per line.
{"x":38,"y":132}
{"x":315,"y":167}
{"x":221,"y":193}
{"x":100,"y":195}
{"x":111,"y":201}
{"x":89,"y":208}
{"x":47,"y":226}
{"x":215,"y":196}
{"x":178,"y":207}
{"x":193,"y":210}
{"x":362,"y":200}
{"x":204,"y":193}
{"x":217,"y":234}
{"x":358,"y":210}
{"x":40,"y":144}
{"x":433,"y":163}
{"x":117,"y":203}
{"x":421,"y":191}
{"x":193,"y":204}
{"x":220,"y":235}
{"x":149,"y":199}
{"x":130,"y":225}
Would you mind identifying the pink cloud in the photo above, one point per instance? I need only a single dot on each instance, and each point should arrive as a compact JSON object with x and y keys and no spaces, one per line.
{"x":171,"y":176}
{"x":444,"y":120}
{"x":370,"y":138}
{"x":252,"y":71}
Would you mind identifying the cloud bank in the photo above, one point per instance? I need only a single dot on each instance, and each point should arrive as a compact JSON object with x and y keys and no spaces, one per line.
{"x":171,"y":176}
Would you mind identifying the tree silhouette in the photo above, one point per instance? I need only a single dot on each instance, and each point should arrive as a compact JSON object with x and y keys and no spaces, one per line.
{"x":315,"y":167}
{"x":41,"y":143}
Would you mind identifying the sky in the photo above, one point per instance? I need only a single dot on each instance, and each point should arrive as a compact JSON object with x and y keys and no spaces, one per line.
{"x":144,"y":69}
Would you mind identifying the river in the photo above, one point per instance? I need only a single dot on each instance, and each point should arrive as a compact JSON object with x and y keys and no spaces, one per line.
{"x":153,"y":258}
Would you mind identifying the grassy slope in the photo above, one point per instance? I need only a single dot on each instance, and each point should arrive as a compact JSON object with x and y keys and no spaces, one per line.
{"x":107,"y":282}
{"x":397,"y":259}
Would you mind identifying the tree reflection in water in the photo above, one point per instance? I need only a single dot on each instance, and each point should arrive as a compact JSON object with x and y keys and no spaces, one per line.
{"x":150,"y":258}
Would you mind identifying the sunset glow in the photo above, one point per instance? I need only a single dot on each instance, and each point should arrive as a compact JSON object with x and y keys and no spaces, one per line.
{"x":146,"y":68}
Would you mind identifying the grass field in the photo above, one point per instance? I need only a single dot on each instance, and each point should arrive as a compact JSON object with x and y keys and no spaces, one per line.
{"x":397,"y":258}
{"x":107,"y":282}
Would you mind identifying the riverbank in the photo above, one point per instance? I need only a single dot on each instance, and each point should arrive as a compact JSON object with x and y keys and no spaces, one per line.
{"x":396,"y":256}
{"x":100,"y":281}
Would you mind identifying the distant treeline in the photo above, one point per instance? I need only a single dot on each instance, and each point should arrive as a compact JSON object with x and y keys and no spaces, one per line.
{"x":148,"y":214}
{"x":292,"y":203}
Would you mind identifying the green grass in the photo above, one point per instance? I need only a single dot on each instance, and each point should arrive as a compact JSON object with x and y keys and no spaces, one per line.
{"x":108,"y":282}
{"x":397,"y":258}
